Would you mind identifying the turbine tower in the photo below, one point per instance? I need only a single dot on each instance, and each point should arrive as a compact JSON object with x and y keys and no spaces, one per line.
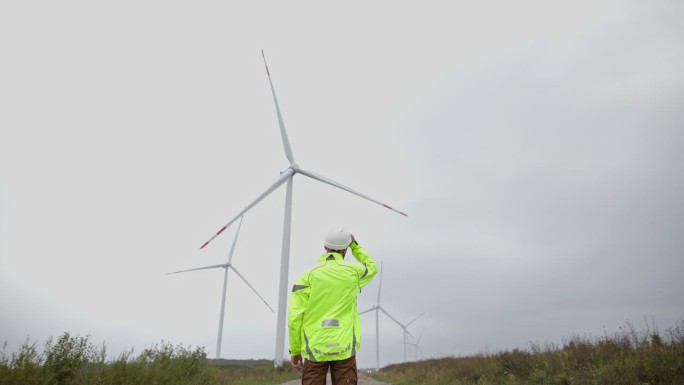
{"x":287,"y":176}
{"x":378,"y":308}
{"x":226,"y":266}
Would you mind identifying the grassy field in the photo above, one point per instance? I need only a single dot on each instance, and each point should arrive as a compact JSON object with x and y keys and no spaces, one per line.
{"x":75,"y":360}
{"x":625,"y":357}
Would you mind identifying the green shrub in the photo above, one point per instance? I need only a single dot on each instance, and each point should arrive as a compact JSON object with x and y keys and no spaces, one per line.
{"x":68,"y":356}
{"x":22,"y":367}
{"x":74,"y":360}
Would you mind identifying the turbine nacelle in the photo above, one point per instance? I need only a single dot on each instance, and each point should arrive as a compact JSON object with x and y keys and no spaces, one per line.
{"x":294,"y":167}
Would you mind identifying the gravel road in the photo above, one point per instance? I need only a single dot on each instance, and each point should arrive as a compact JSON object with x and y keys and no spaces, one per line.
{"x":363,"y":380}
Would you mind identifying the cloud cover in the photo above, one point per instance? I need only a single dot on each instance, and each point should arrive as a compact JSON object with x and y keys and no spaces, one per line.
{"x":536,"y":149}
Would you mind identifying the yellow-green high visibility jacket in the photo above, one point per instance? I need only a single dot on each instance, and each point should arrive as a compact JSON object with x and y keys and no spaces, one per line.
{"x":323,"y":320}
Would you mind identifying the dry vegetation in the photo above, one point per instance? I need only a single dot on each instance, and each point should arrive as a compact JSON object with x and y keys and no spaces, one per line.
{"x":626,"y":357}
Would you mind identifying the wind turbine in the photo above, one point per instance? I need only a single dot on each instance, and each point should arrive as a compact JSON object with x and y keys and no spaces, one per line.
{"x":378,"y":308}
{"x":226,"y":266}
{"x":406,"y":334}
{"x":416,"y":348}
{"x":287,"y":176}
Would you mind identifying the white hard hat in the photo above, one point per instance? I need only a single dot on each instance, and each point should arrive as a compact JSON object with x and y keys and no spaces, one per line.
{"x":338,"y":239}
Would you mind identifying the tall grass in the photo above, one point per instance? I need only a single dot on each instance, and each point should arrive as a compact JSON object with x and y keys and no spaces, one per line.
{"x":75,"y":360}
{"x":625,"y":357}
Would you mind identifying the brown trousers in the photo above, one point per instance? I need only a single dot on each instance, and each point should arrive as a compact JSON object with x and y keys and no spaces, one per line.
{"x":342,"y":372}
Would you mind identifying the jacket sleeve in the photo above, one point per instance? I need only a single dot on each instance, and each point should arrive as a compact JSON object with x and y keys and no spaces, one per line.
{"x":299,"y":298}
{"x":369,"y":266}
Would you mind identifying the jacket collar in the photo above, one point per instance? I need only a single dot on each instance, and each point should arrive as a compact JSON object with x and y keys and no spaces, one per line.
{"x":336,"y":256}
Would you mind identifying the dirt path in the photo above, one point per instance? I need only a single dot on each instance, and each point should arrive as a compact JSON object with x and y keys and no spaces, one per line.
{"x":363,"y":380}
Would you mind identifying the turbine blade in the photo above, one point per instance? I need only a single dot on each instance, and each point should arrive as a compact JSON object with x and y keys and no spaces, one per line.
{"x":343,"y":187}
{"x":200,"y":268}
{"x":367,"y":310}
{"x":414,"y":319}
{"x":393,"y":319}
{"x":283,"y":133}
{"x":232,"y":248}
{"x":251,"y":287}
{"x":283,"y":177}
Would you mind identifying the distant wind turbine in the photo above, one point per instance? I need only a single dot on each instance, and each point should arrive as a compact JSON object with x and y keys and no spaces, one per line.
{"x":416,"y":348}
{"x":407,"y":334}
{"x":287,"y":176}
{"x":377,"y":308}
{"x":226,"y":266}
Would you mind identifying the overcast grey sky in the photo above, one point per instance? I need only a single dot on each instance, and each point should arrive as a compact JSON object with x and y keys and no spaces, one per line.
{"x":536,"y":147}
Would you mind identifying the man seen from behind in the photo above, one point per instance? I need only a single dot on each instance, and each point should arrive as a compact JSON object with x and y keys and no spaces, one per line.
{"x":323,"y":321}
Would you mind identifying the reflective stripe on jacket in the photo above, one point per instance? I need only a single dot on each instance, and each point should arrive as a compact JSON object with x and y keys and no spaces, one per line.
{"x":323,"y":320}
